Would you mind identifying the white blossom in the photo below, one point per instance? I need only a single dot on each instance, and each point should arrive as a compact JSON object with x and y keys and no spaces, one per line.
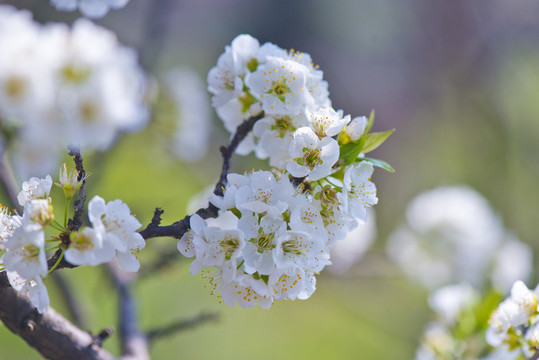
{"x":25,"y":252}
{"x":35,"y":188}
{"x":33,"y":290}
{"x":326,"y":122}
{"x":280,"y":86}
{"x":118,"y":226}
{"x":87,"y":247}
{"x":358,"y":191}
{"x":311,"y":156}
{"x":356,"y":128}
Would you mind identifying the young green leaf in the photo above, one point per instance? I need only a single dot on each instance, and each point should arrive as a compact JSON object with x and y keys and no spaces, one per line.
{"x":379,"y":163}
{"x":373,"y":140}
{"x":370,"y":122}
{"x":350,"y":151}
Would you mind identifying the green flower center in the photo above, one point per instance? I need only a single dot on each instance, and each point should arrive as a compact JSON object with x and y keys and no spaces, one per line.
{"x":279,"y":88}
{"x":311,"y":158}
{"x":283,"y":125}
{"x":229,"y":244}
{"x":31,"y":252}
{"x":81,"y":241}
{"x":263,"y":242}
{"x":291,"y":247}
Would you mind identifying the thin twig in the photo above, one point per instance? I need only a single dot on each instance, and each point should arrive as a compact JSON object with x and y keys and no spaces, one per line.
{"x":181,"y":325}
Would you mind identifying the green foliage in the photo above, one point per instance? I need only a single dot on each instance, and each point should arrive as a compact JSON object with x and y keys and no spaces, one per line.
{"x":379,"y":163}
{"x":373,"y":140}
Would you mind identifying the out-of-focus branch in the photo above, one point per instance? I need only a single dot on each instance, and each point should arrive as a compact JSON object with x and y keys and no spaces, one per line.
{"x":53,"y":336}
{"x":9,"y":182}
{"x":73,"y":307}
{"x":134,"y":343}
{"x":165,"y":259}
{"x":179,"y":228}
{"x":181,"y":325}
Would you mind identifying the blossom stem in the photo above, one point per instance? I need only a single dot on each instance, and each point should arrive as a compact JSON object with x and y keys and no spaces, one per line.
{"x":57,"y":262}
{"x":65,"y":214}
{"x":52,"y":248}
{"x":330,"y":183}
{"x":57,"y":226}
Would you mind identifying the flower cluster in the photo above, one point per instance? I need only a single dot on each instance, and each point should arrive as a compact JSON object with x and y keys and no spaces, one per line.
{"x":299,"y":131}
{"x":61,"y":86}
{"x":453,"y":235}
{"x":279,"y":236}
{"x":23,"y":238}
{"x":89,"y":8}
{"x":458,"y":332}
{"x":513,"y":325}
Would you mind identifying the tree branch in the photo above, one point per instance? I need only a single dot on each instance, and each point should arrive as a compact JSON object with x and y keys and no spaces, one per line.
{"x":52,"y":335}
{"x":75,"y":223}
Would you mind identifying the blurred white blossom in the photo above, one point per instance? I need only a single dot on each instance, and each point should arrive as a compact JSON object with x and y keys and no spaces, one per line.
{"x":60,"y":86}
{"x":193,"y":124}
{"x":89,"y":8}
{"x":452,"y":235}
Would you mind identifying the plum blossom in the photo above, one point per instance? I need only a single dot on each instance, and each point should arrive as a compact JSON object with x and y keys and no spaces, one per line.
{"x":33,"y":290}
{"x":87,"y":247}
{"x":35,"y":188}
{"x":113,"y":220}
{"x":326,"y":122}
{"x":358,"y":191}
{"x":280,"y":86}
{"x":311,"y":156}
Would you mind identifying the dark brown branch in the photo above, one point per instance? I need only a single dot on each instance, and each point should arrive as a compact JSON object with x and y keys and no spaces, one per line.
{"x":102,"y":336}
{"x":75,"y":223}
{"x":52,"y":335}
{"x":181,"y":325}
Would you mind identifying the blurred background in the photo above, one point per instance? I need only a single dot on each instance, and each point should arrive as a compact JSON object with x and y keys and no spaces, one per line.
{"x":458,"y":80}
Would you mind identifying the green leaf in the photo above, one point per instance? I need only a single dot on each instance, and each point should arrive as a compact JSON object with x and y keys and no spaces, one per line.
{"x":379,"y":163}
{"x":373,"y":140}
{"x":370,"y":122}
{"x":350,"y":151}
